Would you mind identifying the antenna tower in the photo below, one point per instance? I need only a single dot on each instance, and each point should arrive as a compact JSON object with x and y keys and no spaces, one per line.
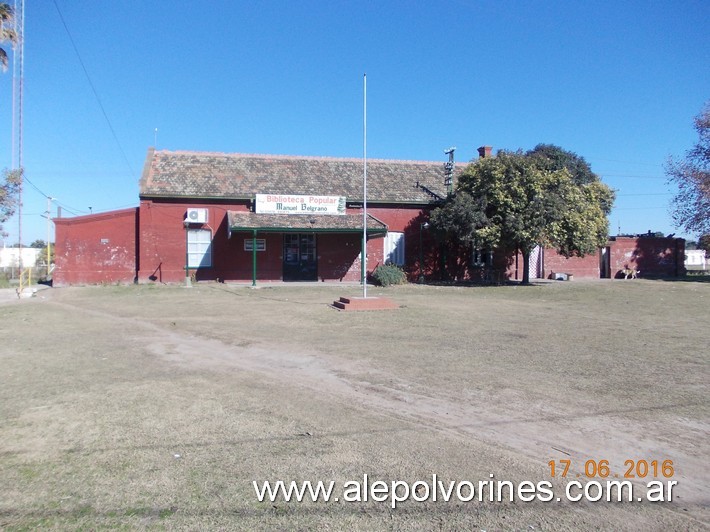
{"x":18,"y":72}
{"x":449,"y":170}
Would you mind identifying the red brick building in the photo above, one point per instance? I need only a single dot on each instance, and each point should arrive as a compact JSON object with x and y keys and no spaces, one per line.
{"x":214,"y":212}
{"x":249,"y":218}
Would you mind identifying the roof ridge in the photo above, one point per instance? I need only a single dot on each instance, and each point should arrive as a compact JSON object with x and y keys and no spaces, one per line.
{"x":294,"y":157}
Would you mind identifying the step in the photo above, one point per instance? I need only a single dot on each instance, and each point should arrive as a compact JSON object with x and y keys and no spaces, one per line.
{"x":365,"y":303}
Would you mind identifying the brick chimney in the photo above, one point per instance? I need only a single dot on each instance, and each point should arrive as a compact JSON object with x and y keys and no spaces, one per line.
{"x":484,"y":151}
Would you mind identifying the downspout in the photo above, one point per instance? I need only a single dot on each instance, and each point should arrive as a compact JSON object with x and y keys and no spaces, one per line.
{"x":188,"y":282}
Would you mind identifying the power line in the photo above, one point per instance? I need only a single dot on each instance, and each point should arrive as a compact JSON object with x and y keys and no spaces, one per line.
{"x":633,"y":176}
{"x":639,"y":208}
{"x":69,"y":209}
{"x":620,"y":161}
{"x":93,"y":88}
{"x":648,"y":194}
{"x":35,"y":187}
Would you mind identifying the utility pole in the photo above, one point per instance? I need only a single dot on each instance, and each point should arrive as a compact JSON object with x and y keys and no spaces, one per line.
{"x":49,"y":230}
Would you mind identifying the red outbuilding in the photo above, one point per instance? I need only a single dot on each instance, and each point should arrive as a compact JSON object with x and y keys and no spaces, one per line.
{"x":95,"y":249}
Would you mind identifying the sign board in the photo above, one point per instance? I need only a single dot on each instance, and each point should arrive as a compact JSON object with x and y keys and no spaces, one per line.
{"x":299,"y":204}
{"x":260,"y":244}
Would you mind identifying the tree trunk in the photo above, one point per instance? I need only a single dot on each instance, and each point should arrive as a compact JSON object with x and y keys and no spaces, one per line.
{"x":526,"y":266}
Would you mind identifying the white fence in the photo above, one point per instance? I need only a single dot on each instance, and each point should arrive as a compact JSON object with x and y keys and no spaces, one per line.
{"x":695,"y":259}
{"x":10,"y":257}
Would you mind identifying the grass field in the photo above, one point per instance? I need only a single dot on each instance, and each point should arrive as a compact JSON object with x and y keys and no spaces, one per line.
{"x":157,"y":406}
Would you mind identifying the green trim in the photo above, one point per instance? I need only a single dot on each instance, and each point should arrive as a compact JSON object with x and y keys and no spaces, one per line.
{"x":391,"y":202}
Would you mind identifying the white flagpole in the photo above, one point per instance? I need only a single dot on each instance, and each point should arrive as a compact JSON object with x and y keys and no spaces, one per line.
{"x":364,"y":190}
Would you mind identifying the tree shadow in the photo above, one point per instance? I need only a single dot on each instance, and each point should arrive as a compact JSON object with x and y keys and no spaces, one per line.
{"x":653,"y":257}
{"x":689,"y":278}
{"x":434,"y":259}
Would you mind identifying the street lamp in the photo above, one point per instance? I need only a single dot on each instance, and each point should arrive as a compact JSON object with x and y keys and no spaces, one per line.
{"x":422,"y":226}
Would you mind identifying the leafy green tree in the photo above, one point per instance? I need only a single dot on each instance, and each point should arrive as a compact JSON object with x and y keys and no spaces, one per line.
{"x":690,"y":207}
{"x":7,"y":33}
{"x":42,"y":257}
{"x":551,"y":157}
{"x":457,"y":222}
{"x":522,"y":203}
{"x":9,"y":187}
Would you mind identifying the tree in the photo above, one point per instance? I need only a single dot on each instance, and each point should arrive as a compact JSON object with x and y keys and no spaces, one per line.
{"x":7,"y":33}
{"x":523,"y":203}
{"x":42,"y":257}
{"x":551,"y":157}
{"x":457,"y":222}
{"x":690,"y":207}
{"x":9,"y":187}
{"x":704,"y":243}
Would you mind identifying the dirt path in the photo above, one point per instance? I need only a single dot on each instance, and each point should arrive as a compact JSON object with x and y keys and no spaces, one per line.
{"x":549,"y":436}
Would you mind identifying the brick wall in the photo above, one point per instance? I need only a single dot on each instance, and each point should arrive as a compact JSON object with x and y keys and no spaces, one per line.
{"x":652,"y":256}
{"x":581,"y":267}
{"x":162,"y":245}
{"x":98,"y":248}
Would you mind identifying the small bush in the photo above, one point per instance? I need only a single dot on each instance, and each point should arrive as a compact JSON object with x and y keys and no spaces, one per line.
{"x":388,"y":274}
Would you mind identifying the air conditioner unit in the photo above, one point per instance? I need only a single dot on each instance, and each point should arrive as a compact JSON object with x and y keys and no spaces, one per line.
{"x":196,"y":216}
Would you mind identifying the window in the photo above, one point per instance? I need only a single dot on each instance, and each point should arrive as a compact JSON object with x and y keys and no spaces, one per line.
{"x":199,"y":248}
{"x":260,"y":244}
{"x":394,"y":248}
{"x":482,"y":257}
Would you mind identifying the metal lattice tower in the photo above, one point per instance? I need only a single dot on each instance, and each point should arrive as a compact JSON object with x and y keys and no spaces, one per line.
{"x":18,"y":73}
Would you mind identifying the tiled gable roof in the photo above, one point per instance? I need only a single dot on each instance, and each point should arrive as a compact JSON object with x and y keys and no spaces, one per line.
{"x":237,"y":176}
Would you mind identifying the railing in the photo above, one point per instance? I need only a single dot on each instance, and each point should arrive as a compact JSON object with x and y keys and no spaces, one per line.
{"x":25,"y":280}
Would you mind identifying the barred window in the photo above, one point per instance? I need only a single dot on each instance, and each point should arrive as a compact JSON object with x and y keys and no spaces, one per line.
{"x":394,"y":248}
{"x":199,"y":248}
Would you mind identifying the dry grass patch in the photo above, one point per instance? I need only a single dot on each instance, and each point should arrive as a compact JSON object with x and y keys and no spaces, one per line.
{"x":156,"y":407}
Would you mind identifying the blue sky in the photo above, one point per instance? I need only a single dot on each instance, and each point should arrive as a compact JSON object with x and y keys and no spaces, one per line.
{"x":616,"y":82}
